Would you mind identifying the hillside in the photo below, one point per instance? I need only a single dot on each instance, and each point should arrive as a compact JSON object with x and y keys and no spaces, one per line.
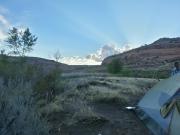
{"x":45,"y":64}
{"x":156,"y":55}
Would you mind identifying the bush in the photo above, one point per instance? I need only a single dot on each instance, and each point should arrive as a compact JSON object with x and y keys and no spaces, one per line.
{"x":49,"y":85}
{"x":18,"y":112}
{"x":18,"y":69}
{"x":46,"y":84}
{"x":115,"y":66}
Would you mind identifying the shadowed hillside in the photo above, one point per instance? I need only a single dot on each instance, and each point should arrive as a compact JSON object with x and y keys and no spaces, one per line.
{"x":159,"y":54}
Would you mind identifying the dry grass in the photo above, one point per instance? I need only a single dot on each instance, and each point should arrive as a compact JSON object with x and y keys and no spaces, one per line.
{"x":18,"y":112}
{"x":81,"y":92}
{"x":108,"y":89}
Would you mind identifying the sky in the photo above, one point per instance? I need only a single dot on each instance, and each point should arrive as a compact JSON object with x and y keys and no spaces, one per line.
{"x":80,"y":27}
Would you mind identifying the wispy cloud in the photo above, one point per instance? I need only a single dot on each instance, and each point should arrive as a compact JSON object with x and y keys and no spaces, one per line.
{"x":4,"y":22}
{"x":4,"y":25}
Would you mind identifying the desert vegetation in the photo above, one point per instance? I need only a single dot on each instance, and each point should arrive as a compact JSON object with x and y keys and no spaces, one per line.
{"x":50,"y":102}
{"x":89,"y":105}
{"x":22,"y":86}
{"x":18,"y":112}
{"x":117,"y":68}
{"x":37,"y":102}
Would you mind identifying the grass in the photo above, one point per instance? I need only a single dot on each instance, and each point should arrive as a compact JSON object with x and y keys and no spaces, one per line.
{"x":107,"y":89}
{"x":24,"y":98}
{"x":156,"y":74}
{"x":20,"y":103}
{"x":18,"y":114}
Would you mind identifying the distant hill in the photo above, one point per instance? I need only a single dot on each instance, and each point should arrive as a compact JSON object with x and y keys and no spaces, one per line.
{"x":45,"y":64}
{"x":158,"y":54}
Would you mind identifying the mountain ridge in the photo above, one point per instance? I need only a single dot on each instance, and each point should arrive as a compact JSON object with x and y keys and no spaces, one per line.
{"x":163,"y":51}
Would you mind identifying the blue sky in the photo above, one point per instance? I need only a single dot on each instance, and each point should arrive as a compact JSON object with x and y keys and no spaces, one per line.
{"x":80,"y":27}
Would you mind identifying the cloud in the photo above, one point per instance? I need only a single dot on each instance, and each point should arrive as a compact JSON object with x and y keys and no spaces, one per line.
{"x":106,"y":51}
{"x":76,"y":60}
{"x":4,"y":21}
{"x":97,"y":57}
{"x":4,"y":25}
{"x":2,"y":35}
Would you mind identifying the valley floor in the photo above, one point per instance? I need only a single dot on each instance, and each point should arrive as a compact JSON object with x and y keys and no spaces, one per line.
{"x":95,"y":105}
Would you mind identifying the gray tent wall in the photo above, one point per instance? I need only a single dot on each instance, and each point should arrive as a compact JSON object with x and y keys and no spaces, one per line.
{"x":152,"y":102}
{"x":175,"y":123}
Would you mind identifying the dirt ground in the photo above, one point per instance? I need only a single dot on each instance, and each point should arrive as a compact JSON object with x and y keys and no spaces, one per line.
{"x":118,"y":121}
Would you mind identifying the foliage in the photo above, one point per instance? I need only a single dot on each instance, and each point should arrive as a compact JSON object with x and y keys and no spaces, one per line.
{"x":17,"y":69}
{"x":18,"y":112}
{"x":19,"y":101}
{"x":49,"y":85}
{"x":20,"y":42}
{"x":46,"y":84}
{"x":115,"y":66}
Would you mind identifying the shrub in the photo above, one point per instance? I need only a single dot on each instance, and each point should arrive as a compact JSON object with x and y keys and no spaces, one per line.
{"x":115,"y":66}
{"x":18,"y":112}
{"x":9,"y":69}
{"x":49,"y":85}
{"x":18,"y":69}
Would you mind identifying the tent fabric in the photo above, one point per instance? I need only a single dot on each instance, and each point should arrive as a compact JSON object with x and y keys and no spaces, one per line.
{"x":169,"y":106}
{"x":150,"y":123}
{"x":175,"y":123}
{"x":161,"y":104}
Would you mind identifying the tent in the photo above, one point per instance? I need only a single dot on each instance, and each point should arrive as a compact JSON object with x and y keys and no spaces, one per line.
{"x":159,"y":109}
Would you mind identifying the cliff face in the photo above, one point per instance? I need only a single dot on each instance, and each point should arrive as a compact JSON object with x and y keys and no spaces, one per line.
{"x":161,"y":52}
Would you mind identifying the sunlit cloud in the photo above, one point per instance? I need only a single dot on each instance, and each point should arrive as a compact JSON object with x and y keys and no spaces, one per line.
{"x":97,"y":57}
{"x":76,"y":60}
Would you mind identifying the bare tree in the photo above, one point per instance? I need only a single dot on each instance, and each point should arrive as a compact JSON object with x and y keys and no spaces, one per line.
{"x":57,"y":56}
